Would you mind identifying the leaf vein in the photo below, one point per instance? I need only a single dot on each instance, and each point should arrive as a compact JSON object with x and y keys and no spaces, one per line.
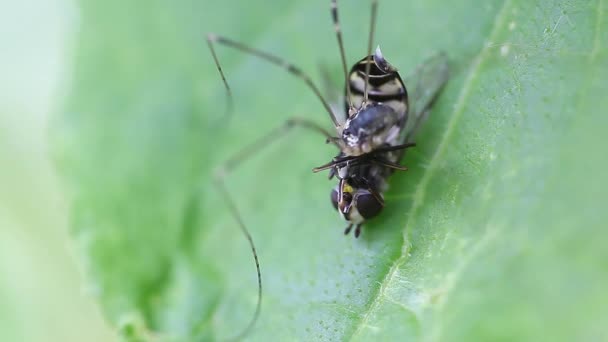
{"x":598,"y":25}
{"x":420,"y":192}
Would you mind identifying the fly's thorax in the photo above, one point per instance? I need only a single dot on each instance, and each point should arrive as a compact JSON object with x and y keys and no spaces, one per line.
{"x":373,"y":126}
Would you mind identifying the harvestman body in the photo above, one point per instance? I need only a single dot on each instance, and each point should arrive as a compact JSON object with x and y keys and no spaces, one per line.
{"x":371,"y":138}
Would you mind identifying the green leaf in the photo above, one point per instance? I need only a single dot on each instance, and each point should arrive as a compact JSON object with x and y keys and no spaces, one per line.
{"x":495,"y":233}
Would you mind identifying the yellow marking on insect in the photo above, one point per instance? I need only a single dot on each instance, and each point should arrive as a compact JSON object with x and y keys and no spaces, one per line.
{"x":347,"y":188}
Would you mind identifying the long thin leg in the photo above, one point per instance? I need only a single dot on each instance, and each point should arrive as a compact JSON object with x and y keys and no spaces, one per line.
{"x":389,"y":164}
{"x":233,"y":162}
{"x":230,"y":102}
{"x":232,"y":206}
{"x":361,"y":158}
{"x":292,"y":69}
{"x":394,"y":148}
{"x":264,"y":141}
{"x":334,"y":17}
{"x":369,"y":48}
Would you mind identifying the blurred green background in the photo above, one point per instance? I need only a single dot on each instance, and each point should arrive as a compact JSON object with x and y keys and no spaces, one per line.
{"x":42,"y":293}
{"x":111,"y":121}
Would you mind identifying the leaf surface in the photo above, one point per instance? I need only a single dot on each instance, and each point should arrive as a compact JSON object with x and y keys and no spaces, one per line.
{"x":496,"y":232}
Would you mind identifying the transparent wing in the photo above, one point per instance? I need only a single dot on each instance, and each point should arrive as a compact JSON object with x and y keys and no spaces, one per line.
{"x":424,"y":86}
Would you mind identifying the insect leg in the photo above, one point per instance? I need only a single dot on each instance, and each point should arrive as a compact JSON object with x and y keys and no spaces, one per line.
{"x":389,"y":164}
{"x":251,"y":149}
{"x":292,"y":69}
{"x":369,"y":48}
{"x":334,"y":17}
{"x":394,"y":147}
{"x":373,"y":191}
{"x":358,"y":230}
{"x":232,"y":206}
{"x":229,"y":165}
{"x":347,"y":229}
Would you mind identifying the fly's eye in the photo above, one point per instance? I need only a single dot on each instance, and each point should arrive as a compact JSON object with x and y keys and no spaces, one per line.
{"x":368,"y":205}
{"x":334,"y":198}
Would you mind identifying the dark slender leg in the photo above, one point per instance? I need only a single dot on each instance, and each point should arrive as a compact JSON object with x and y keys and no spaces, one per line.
{"x":237,"y":159}
{"x":365,"y":157}
{"x":213,"y":38}
{"x":389,"y":164}
{"x":232,"y":206}
{"x":347,"y":230}
{"x":370,"y":42}
{"x":372,"y":191}
{"x":264,"y":141}
{"x":335,"y":19}
{"x":357,"y":230}
{"x":393,"y":148}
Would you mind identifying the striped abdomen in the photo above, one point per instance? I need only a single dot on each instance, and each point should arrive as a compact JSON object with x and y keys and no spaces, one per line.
{"x":385,"y":85}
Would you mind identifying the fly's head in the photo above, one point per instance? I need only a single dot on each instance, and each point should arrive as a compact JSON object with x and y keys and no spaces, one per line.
{"x":356,"y":204}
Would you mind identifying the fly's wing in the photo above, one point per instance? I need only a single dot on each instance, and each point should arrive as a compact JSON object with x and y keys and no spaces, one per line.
{"x":424,"y":86}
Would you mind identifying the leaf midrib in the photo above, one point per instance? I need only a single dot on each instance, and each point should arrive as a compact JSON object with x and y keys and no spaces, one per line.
{"x":419,"y":194}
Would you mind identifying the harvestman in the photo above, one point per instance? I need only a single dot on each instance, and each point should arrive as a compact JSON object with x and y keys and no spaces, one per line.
{"x":371,"y":136}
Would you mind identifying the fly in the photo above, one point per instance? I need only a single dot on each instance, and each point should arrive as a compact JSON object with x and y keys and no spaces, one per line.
{"x":377,"y":132}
